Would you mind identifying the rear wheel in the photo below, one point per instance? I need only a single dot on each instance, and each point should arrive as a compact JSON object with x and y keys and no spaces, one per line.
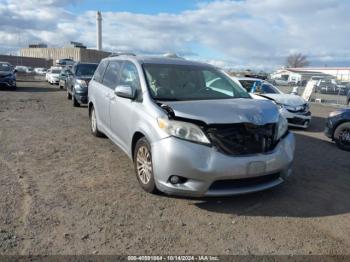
{"x":342,"y":136}
{"x":143,"y":165}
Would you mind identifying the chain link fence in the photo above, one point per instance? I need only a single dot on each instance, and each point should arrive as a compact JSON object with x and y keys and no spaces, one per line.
{"x":323,"y":92}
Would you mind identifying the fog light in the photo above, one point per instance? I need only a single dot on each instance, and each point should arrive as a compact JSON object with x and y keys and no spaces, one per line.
{"x":174,"y":180}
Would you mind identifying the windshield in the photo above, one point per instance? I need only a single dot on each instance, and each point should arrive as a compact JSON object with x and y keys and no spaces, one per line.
{"x":257,"y":86}
{"x":86,"y":70}
{"x":184,"y":82}
{"x":56,"y":71}
{"x":5,"y":67}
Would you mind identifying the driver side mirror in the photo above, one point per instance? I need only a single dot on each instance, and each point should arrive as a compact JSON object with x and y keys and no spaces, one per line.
{"x":125,"y":92}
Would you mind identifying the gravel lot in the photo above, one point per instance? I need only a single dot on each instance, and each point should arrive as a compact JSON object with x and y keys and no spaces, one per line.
{"x":63,"y":191}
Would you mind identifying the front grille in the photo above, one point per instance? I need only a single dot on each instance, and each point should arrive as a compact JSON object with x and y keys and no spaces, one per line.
{"x":296,"y":121}
{"x":243,"y":182}
{"x":243,"y":138}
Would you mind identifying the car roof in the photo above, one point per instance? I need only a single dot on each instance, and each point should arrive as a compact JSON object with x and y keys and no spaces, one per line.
{"x":159,"y":60}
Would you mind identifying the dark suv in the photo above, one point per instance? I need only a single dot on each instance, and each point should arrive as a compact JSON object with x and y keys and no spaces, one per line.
{"x":7,"y":75}
{"x":77,"y":82}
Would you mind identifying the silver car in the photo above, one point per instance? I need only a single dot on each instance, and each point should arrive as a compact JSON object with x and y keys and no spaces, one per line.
{"x":185,"y":133}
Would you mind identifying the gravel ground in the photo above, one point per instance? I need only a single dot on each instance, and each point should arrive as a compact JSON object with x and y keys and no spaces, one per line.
{"x":63,"y":191}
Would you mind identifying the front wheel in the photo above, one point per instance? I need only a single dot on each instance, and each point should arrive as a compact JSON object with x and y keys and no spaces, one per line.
{"x":69,"y":96}
{"x":342,"y":136}
{"x":143,"y":166}
{"x":75,"y":101}
{"x":93,"y":123}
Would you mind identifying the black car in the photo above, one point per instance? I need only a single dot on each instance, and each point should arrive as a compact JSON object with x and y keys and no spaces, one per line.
{"x":348,"y":98}
{"x":77,"y":82}
{"x":338,"y":128}
{"x":7,"y":75}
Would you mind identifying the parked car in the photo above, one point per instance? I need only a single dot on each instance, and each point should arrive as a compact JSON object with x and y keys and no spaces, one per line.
{"x":293,"y":107}
{"x":184,"y":135}
{"x":52,"y":75}
{"x":280,"y":82}
{"x":338,"y":128}
{"x":348,"y":98}
{"x":77,"y":82}
{"x":65,"y":62}
{"x":7,"y":75}
{"x":40,"y":71}
{"x":331,"y":86}
{"x":21,"y":69}
{"x":63,"y":77}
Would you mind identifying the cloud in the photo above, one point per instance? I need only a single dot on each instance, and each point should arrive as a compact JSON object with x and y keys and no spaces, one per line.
{"x":250,"y":33}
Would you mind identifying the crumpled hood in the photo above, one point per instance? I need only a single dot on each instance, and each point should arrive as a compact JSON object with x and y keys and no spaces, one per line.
{"x":287,"y":99}
{"x":227,"y":111}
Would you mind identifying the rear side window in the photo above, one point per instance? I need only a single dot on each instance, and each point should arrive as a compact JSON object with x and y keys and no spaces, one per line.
{"x":98,"y":76}
{"x":110,"y":78}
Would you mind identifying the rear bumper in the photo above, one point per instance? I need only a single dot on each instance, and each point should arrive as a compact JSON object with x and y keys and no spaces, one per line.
{"x":204,"y":168}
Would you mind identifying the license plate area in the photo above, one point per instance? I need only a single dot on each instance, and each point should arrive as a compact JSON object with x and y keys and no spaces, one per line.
{"x":256,"y":167}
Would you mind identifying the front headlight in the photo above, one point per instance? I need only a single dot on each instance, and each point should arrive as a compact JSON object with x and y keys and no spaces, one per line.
{"x":81,"y":83}
{"x":282,"y":127}
{"x":183,"y":130}
{"x":335,"y":113}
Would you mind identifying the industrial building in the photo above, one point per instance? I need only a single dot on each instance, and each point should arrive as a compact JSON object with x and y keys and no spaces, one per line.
{"x":73,"y":50}
{"x":76,"y":53}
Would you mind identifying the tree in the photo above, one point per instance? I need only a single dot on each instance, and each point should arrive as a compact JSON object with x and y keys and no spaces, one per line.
{"x":297,"y":60}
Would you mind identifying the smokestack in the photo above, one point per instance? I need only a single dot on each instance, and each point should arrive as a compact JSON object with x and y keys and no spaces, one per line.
{"x":99,"y":30}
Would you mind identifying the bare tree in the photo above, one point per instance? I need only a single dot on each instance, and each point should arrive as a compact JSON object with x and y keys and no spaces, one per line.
{"x":297,"y":60}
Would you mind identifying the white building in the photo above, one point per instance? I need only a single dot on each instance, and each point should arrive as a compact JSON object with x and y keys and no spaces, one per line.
{"x":299,"y":74}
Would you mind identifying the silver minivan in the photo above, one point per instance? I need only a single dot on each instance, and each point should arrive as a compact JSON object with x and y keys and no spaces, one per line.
{"x":188,"y":127}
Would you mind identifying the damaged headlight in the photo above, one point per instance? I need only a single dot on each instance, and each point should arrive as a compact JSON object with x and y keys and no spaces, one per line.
{"x":183,"y":130}
{"x":282,"y":127}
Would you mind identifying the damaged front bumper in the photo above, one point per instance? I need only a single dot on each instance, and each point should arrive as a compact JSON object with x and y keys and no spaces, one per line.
{"x":207,"y":172}
{"x":297,"y":119}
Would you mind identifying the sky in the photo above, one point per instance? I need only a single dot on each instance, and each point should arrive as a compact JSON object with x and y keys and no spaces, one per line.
{"x":255,"y":34}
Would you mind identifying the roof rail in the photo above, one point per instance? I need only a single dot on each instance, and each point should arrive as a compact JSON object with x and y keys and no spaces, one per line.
{"x":172,"y":55}
{"x":121,"y":53}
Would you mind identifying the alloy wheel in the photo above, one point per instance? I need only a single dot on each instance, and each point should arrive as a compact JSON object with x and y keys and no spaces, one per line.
{"x":144,"y":164}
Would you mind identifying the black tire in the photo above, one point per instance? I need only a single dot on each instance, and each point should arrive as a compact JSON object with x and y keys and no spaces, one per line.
{"x":94,"y":125}
{"x":150,"y":185}
{"x":340,"y":134}
{"x":69,"y":96}
{"x":75,"y":101}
